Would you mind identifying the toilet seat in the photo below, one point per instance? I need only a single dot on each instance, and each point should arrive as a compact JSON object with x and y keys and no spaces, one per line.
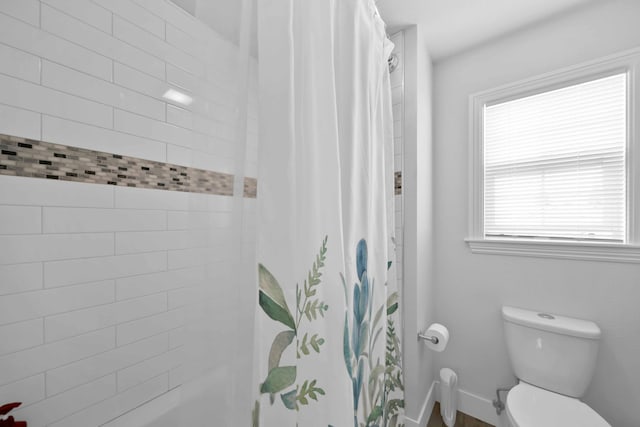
{"x":529,"y":406}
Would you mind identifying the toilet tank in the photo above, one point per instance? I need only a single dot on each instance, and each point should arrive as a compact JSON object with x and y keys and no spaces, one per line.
{"x":552,"y":352}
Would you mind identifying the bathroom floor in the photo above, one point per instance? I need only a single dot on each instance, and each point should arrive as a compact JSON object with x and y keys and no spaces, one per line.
{"x":462,"y":420}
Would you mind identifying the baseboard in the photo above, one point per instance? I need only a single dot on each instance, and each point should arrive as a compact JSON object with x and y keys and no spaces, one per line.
{"x":427,"y":408}
{"x":478,"y":407}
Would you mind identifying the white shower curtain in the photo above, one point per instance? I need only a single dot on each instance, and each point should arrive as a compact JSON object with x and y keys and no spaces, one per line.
{"x":327,"y":324}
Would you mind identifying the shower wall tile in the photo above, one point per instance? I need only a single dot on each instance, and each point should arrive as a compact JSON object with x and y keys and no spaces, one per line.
{"x":18,"y":278}
{"x":41,"y":303}
{"x":47,"y":247}
{"x":16,"y":121}
{"x":134,"y":13}
{"x":81,"y":135}
{"x":158,"y":47}
{"x":121,"y":403}
{"x":85,"y":370}
{"x":62,"y":273}
{"x":84,"y":11}
{"x":20,"y":336}
{"x":33,"y":40}
{"x":68,"y":28}
{"x":16,"y":63}
{"x":83,"y":85}
{"x":26,"y":363}
{"x":65,"y":404}
{"x":27,"y":391}
{"x":40,"y":192}
{"x":20,"y":219}
{"x":98,"y":282}
{"x":24,"y":10}
{"x":148,"y":369}
{"x":87,"y":220}
{"x":78,"y":322}
{"x":33,"y":97}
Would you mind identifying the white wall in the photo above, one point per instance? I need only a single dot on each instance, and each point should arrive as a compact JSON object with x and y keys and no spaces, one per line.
{"x":470,"y":289}
{"x":418,"y":226}
{"x":98,"y":283}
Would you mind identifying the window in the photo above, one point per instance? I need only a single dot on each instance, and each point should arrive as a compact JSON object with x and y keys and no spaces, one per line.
{"x":554,"y":161}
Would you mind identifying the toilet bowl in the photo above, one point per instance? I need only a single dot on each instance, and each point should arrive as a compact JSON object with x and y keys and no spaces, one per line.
{"x":530,"y":406}
{"x":554,"y":358}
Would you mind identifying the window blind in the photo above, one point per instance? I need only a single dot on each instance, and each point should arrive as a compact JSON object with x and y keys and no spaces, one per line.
{"x":555,"y":163}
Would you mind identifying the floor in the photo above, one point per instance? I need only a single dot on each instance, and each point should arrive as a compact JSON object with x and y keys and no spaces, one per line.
{"x":462,"y":420}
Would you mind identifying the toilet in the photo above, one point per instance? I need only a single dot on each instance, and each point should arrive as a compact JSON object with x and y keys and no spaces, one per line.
{"x":554,"y":358}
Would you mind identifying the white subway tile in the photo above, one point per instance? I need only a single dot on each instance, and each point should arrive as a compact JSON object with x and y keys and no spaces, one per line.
{"x":142,"y":198}
{"x":24,"y":10}
{"x":40,"y":303}
{"x":44,"y":192}
{"x":19,"y":122}
{"x":162,"y":411}
{"x":147,"y":284}
{"x":150,"y":368}
{"x":212,"y":162}
{"x":74,"y":82}
{"x":61,"y":273}
{"x":83,"y":371}
{"x":29,"y":96}
{"x":25,"y":363}
{"x":184,"y":258}
{"x":147,"y":241}
{"x":31,"y":248}
{"x":134,"y":35}
{"x":198,"y":220}
{"x":18,"y":63}
{"x":95,"y":138}
{"x":176,"y":377}
{"x":85,"y":11}
{"x":182,"y":79}
{"x":149,"y":128}
{"x":82,"y":321}
{"x":180,"y":155}
{"x":182,"y":297}
{"x":20,"y":336}
{"x":121,"y":403}
{"x":177,"y":337}
{"x":20,"y":278}
{"x":133,"y":79}
{"x":40,"y":43}
{"x":136,"y":14}
{"x":179,"y":117}
{"x":87,"y":220}
{"x":184,"y":41}
{"x":56,"y":407}
{"x":149,"y":326}
{"x":89,"y":37}
{"x":27,"y":391}
{"x":20,"y":220}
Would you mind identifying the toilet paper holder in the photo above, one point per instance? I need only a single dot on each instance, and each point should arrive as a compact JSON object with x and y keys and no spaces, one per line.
{"x":422,"y":336}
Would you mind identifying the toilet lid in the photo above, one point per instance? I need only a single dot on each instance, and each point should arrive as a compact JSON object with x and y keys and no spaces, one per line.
{"x":529,"y":406}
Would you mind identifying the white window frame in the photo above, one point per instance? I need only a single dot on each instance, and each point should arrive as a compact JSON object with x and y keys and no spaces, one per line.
{"x":629,"y":62}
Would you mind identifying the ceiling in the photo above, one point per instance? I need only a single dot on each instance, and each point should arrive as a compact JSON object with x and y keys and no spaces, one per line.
{"x":451,"y":26}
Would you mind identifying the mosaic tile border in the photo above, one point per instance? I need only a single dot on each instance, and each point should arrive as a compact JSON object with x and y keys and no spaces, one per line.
{"x":39,"y":159}
{"x":398,"y":183}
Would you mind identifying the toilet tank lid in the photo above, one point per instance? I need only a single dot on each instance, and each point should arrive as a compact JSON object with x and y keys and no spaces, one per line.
{"x":551,"y":322}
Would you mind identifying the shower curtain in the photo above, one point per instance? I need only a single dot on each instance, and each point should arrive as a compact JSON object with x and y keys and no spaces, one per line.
{"x":327,"y":344}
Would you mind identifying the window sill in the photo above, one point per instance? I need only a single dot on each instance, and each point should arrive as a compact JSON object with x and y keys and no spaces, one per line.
{"x":583,"y":251}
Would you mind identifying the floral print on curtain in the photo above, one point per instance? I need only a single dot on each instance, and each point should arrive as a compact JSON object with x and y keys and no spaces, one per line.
{"x":371,"y":344}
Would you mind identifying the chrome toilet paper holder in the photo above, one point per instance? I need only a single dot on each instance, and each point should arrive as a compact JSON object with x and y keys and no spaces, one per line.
{"x":422,"y":336}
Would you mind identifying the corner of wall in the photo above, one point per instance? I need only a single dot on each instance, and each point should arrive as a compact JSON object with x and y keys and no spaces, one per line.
{"x":418,"y":222}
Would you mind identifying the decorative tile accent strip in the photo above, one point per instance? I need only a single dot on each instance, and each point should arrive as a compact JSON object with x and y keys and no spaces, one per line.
{"x":39,"y":159}
{"x":398,"y":183}
{"x":250,"y":188}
